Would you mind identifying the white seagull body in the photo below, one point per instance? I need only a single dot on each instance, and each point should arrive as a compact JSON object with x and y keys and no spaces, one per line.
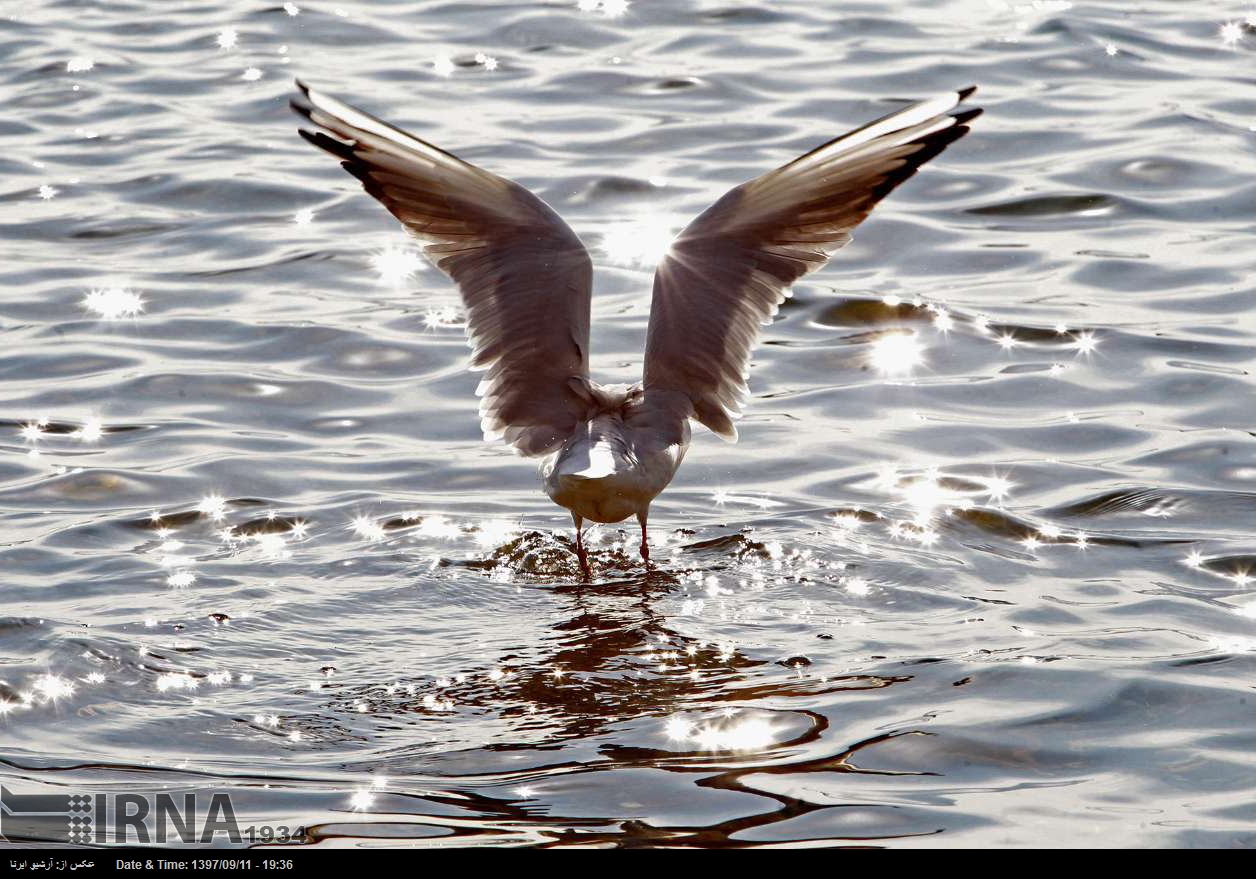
{"x":526,"y":283}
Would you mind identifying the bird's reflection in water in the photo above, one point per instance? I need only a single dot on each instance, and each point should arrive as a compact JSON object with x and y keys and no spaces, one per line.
{"x":614,"y":661}
{"x":610,"y":656}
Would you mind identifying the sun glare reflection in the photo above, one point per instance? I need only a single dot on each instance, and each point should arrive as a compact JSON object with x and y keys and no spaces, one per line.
{"x":214,"y":506}
{"x":931,"y":495}
{"x":1085,"y":343}
{"x":641,"y":242}
{"x":896,"y":353}
{"x":442,"y":317}
{"x":112,"y":303}
{"x":732,"y":733}
{"x":443,"y":65}
{"x":91,"y":431}
{"x":396,"y":265}
{"x":361,"y":800}
{"x":368,"y":528}
{"x":1231,"y":34}
{"x":495,"y":532}
{"x":50,"y":688}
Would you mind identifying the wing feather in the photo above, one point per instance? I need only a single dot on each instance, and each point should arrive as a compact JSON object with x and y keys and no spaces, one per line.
{"x":728,"y":272}
{"x":524,"y":276}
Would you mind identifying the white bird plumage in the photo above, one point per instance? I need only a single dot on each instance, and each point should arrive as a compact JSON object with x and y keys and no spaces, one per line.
{"x":526,"y":283}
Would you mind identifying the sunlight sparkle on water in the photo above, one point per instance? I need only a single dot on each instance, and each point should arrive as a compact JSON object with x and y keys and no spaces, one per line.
{"x":856,"y":586}
{"x":50,"y":688}
{"x":1085,"y":342}
{"x":495,"y":532}
{"x":1231,"y":34}
{"x":615,"y":8}
{"x":439,"y":318}
{"x":926,"y":495}
{"x":999,"y":488}
{"x":679,"y":728}
{"x":728,"y":734}
{"x":47,"y":192}
{"x":1232,"y":644}
{"x":443,"y":65}
{"x":91,"y":431}
{"x":365,"y":526}
{"x":112,"y":303}
{"x":640,"y":242}
{"x":896,"y":353}
{"x":214,"y":506}
{"x":396,"y":265}
{"x":251,"y":74}
{"x":227,"y":38}
{"x":929,"y":494}
{"x":176,"y":681}
{"x":439,"y":527}
{"x":272,"y":546}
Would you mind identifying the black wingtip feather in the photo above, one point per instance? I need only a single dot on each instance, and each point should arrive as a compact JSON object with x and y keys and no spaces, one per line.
{"x":340,"y":150}
{"x":966,"y":116}
{"x":964,"y":93}
{"x":301,"y":107}
{"x":931,"y":145}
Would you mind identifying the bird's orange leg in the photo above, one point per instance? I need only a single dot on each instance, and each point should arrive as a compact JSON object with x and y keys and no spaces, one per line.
{"x":580,"y":553}
{"x":645,"y":543}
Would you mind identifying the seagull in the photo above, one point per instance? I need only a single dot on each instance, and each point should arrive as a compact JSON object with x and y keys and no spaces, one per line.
{"x":526,"y":282}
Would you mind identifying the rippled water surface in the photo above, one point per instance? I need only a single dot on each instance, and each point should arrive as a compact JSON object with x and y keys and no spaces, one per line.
{"x":979,"y":572}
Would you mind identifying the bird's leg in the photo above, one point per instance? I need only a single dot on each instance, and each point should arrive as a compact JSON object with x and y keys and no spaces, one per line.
{"x":645,"y":544}
{"x":580,"y":553}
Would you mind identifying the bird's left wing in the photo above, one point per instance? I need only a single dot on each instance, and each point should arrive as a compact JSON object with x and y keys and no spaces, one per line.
{"x":524,"y":276}
{"x":729,"y":270}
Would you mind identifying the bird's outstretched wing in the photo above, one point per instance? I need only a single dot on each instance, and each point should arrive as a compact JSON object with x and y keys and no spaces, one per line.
{"x":524,"y":276}
{"x":729,"y":270}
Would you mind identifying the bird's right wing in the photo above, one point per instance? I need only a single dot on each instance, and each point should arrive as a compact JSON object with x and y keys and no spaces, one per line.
{"x":525,"y":278}
{"x":731,"y":268}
